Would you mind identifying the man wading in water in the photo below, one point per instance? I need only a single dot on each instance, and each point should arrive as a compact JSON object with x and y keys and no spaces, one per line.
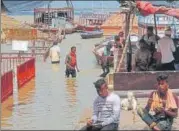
{"x":71,"y":63}
{"x":106,"y":109}
{"x":54,"y":54}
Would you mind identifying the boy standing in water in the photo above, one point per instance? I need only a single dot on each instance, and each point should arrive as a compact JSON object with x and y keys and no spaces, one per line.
{"x":71,"y":63}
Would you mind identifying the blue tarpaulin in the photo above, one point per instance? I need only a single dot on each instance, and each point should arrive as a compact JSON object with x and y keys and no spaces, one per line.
{"x":23,"y":7}
{"x":174,"y":4}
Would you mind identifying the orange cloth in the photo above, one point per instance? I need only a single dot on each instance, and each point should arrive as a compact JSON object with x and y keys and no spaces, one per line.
{"x":157,"y":101}
{"x":72,"y":59}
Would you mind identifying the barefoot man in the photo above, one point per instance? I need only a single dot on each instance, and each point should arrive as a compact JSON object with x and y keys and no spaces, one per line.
{"x":71,"y":63}
{"x":162,"y":107}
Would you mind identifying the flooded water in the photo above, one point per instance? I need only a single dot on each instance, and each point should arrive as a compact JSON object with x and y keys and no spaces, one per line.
{"x":51,"y":101}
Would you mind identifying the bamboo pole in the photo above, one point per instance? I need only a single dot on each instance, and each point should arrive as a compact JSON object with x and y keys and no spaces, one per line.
{"x":49,"y":19}
{"x":0,"y":80}
{"x":119,"y":63}
{"x":127,"y":34}
{"x":155,"y":23}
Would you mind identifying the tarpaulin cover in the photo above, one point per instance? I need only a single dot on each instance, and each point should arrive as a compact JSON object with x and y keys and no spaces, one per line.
{"x":146,"y":8}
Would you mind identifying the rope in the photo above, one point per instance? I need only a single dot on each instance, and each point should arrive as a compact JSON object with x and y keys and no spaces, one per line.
{"x":125,"y":48}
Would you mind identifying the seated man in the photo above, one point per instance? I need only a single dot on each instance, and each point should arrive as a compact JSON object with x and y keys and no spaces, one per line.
{"x":162,"y":107}
{"x":142,"y":57}
{"x":106,"y":109}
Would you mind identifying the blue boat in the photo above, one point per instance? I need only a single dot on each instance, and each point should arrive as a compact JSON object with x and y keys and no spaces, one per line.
{"x":92,"y":34}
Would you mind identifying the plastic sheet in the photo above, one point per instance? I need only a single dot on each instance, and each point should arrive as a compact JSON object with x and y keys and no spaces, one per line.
{"x":25,"y":72}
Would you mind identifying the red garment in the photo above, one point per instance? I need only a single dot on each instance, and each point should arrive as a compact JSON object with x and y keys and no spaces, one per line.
{"x":72,"y":59}
{"x":146,"y":8}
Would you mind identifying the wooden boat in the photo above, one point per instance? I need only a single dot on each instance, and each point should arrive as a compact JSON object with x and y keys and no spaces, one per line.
{"x":69,"y":28}
{"x":46,"y":30}
{"x":89,"y":28}
{"x":91,"y":34}
{"x":126,"y":78}
{"x":81,"y":28}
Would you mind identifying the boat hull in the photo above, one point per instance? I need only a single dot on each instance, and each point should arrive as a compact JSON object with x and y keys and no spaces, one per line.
{"x":93,"y":34}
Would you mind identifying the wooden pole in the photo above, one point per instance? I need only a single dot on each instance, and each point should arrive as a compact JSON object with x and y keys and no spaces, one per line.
{"x":119,"y":62}
{"x":127,"y":19}
{"x":155,"y":23}
{"x":0,"y":77}
{"x":34,"y":17}
{"x":49,"y":19}
{"x":127,"y":33}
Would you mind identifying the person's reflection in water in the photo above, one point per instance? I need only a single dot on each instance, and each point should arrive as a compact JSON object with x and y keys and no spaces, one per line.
{"x":25,"y":94}
{"x":71,"y":91}
{"x":6,"y":113}
{"x":55,"y":67}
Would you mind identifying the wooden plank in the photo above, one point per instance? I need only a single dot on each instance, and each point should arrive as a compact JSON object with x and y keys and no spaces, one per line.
{"x":142,"y":80}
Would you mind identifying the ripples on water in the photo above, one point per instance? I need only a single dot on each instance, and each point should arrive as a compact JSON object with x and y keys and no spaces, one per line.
{"x":51,"y":101}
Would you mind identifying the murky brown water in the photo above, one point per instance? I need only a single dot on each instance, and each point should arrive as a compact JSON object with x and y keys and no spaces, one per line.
{"x":51,"y":101}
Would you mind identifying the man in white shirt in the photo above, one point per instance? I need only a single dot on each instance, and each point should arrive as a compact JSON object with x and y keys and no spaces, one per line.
{"x":106,"y":109}
{"x":166,"y":47}
{"x":55,"y":53}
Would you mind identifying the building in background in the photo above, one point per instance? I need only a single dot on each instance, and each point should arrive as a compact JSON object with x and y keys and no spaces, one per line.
{"x":162,"y":22}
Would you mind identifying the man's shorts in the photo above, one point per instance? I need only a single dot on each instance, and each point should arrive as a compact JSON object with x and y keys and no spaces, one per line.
{"x":71,"y":72}
{"x":55,"y":62}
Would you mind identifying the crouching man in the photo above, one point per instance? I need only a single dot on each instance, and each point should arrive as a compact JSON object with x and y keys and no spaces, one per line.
{"x":162,"y":107}
{"x":106,"y":109}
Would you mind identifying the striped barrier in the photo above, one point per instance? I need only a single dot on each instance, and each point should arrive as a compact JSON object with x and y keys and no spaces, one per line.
{"x":25,"y":72}
{"x":6,"y":85}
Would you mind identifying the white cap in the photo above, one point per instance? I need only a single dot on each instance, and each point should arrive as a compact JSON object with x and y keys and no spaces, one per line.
{"x":168,"y":31}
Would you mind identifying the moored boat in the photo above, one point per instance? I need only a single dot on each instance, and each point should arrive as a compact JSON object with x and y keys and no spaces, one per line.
{"x":69,"y":28}
{"x":91,"y":34}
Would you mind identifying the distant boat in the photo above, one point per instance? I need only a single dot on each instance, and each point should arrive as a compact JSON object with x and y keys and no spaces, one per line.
{"x":91,"y":34}
{"x":69,"y":28}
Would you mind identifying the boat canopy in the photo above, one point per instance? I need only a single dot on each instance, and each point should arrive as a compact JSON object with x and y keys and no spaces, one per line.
{"x":147,"y":8}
